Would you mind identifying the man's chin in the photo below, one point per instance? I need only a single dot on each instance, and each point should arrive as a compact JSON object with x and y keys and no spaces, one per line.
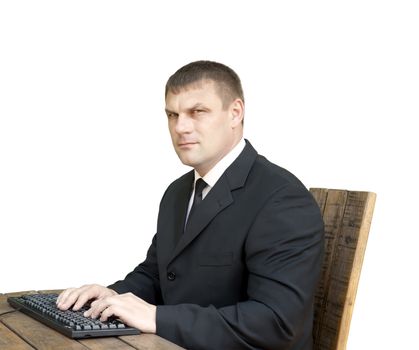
{"x":189,"y":163}
{"x":186,"y":159}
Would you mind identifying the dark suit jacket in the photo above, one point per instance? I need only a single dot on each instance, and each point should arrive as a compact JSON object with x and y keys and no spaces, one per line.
{"x":243,"y":274}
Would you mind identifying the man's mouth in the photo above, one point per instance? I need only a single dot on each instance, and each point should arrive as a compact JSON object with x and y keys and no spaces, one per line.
{"x":187,"y":143}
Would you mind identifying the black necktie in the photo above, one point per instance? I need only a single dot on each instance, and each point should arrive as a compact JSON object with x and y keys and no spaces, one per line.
{"x":197,"y":198}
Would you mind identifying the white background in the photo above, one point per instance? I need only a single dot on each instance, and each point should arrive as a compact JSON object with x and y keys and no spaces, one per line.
{"x":331,"y":94}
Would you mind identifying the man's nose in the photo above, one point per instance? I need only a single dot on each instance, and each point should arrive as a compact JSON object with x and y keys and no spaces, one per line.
{"x":183,"y":124}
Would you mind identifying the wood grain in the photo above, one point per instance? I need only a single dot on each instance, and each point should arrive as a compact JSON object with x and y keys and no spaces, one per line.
{"x":333,"y":209}
{"x":105,"y":344}
{"x":9,"y":340}
{"x":347,"y":217}
{"x":37,"y":334}
{"x":149,"y":342}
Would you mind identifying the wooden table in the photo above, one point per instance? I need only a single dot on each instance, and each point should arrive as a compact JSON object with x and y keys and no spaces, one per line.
{"x":20,"y":332}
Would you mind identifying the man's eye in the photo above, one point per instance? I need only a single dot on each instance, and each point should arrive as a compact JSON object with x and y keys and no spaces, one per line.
{"x":171,"y":115}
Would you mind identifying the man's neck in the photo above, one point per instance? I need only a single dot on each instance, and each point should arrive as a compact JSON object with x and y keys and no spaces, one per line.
{"x":212,"y":176}
{"x":203,"y":171}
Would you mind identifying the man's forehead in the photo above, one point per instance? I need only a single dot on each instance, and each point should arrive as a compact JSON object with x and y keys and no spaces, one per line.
{"x":200,"y":90}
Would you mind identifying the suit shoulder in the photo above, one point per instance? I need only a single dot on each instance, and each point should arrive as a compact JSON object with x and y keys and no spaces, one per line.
{"x":182,"y":182}
{"x":268,"y":181}
{"x":185,"y":178}
{"x":274,"y":174}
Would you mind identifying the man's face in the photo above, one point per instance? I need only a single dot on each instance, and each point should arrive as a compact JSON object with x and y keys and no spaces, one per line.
{"x":202,"y":130}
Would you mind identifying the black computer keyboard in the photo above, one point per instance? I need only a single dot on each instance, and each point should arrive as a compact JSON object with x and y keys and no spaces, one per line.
{"x":71,"y":323}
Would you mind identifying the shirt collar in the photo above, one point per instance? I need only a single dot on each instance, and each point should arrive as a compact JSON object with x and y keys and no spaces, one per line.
{"x":215,"y":173}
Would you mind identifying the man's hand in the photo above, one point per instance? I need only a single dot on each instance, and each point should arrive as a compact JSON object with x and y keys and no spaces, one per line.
{"x":80,"y":296}
{"x":130,"y":309}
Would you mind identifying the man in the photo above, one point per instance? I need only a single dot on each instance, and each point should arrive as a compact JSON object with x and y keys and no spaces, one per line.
{"x":236,"y":258}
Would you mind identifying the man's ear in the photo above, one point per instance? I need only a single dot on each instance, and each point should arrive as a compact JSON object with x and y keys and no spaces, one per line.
{"x":237,"y":112}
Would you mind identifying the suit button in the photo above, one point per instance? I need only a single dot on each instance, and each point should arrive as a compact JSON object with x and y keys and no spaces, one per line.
{"x":171,"y":276}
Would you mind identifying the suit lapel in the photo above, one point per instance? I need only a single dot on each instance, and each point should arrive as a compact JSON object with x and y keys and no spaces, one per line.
{"x":217,"y":199}
{"x":171,"y":221}
{"x":183,"y":200}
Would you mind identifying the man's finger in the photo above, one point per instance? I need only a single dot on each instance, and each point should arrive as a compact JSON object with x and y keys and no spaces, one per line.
{"x":65,"y":299}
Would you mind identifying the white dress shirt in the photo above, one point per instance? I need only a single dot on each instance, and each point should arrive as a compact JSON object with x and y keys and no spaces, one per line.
{"x":215,"y":173}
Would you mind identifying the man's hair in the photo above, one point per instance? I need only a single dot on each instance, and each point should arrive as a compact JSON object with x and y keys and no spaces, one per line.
{"x":227,"y":82}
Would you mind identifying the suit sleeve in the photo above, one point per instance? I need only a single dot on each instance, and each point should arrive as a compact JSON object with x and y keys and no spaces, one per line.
{"x":283,"y":253}
{"x":143,"y":281}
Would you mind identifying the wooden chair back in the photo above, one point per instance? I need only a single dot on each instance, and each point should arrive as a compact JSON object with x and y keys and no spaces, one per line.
{"x":347,"y":217}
